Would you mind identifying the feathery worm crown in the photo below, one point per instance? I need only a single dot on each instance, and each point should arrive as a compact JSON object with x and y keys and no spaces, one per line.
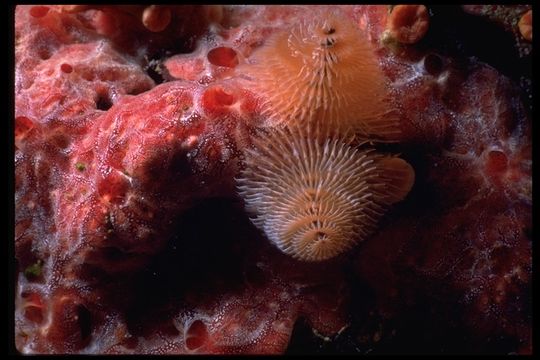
{"x":324,"y":70}
{"x":312,"y":192}
{"x":316,"y":198}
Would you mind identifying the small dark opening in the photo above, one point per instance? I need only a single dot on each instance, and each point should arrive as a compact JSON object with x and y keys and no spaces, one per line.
{"x":330,"y":31}
{"x":433,"y":64}
{"x":320,"y":236}
{"x":103,"y":102}
{"x":85,"y":322}
{"x":152,"y":71}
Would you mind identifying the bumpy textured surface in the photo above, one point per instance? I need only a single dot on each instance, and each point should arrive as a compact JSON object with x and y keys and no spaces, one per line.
{"x":125,"y":133}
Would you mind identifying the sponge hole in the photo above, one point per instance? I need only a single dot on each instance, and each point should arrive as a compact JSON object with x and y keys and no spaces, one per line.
{"x":39,"y":11}
{"x":103,"y":101}
{"x":196,"y":335}
{"x":223,"y":56}
{"x":85,"y":322}
{"x":433,"y":64}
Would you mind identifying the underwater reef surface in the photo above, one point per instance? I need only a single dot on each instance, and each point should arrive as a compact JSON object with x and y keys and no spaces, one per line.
{"x":131,"y":129}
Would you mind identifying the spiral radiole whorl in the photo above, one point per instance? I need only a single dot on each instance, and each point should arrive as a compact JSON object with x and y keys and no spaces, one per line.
{"x":313,"y":198}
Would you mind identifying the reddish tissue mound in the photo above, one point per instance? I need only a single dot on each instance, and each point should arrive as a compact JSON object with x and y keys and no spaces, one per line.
{"x":118,"y":253}
{"x":468,"y":237}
